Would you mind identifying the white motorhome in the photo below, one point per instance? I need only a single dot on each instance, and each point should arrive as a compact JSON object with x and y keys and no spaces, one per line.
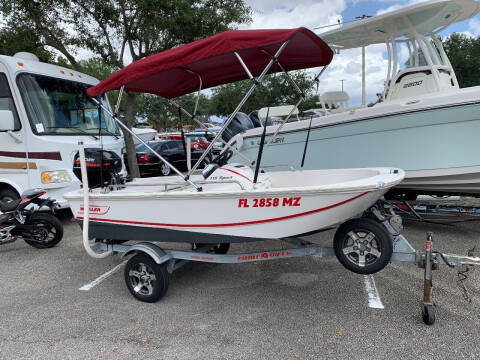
{"x":44,"y":112}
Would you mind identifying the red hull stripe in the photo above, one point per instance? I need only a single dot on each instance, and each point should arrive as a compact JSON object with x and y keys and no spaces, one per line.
{"x":33,"y":155}
{"x":227,"y":224}
{"x":237,"y":173}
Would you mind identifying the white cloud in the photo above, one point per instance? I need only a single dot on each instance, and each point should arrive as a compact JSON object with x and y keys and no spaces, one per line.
{"x":347,"y":66}
{"x":474,"y":27}
{"x":270,"y":14}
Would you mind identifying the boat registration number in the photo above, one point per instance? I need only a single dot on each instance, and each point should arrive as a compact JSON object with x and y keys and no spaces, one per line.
{"x":269,"y":202}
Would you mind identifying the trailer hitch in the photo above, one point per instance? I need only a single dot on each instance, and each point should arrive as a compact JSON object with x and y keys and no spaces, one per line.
{"x":433,"y":260}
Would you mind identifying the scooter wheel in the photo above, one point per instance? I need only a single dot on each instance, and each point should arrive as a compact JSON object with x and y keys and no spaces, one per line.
{"x":428,"y":314}
{"x":146,"y":280}
{"x":363,"y":246}
{"x":47,"y":232}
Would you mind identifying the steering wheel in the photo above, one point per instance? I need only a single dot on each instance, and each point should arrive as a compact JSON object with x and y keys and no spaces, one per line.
{"x":223,"y":158}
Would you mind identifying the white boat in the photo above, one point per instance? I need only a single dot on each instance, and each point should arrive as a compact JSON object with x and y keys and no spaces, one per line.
{"x":144,"y":133}
{"x":230,"y":207}
{"x":227,"y":203}
{"x":424,"y":124}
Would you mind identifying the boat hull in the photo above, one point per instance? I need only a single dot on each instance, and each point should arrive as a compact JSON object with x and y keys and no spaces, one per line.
{"x":436,"y":144}
{"x":223,"y":218}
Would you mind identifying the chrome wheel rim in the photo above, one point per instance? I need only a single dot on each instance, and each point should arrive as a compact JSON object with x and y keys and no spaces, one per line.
{"x":361,"y":248}
{"x":142,"y":279}
{"x":165,"y":169}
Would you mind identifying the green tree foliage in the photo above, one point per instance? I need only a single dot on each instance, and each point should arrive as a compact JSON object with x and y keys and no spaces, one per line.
{"x":464,"y":54}
{"x":274,"y":90}
{"x":110,"y":29}
{"x":163,"y":116}
{"x":23,"y":38}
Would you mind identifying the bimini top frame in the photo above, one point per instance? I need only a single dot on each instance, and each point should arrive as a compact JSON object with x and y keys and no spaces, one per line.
{"x":223,"y":58}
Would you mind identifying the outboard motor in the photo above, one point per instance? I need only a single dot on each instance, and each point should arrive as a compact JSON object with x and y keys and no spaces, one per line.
{"x":102,"y":166}
{"x":257,"y":122}
{"x":240,"y":123}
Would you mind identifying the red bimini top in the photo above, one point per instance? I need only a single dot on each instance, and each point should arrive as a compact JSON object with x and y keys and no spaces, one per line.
{"x":176,"y":72}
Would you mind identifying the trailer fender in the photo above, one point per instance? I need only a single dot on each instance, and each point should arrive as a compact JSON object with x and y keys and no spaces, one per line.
{"x":152,"y":250}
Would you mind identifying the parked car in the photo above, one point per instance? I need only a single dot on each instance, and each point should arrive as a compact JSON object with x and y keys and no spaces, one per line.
{"x":199,"y":142}
{"x":171,"y":150}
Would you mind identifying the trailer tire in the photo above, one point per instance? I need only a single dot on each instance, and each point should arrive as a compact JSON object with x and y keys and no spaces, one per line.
{"x":363,"y":246}
{"x":145,"y":279}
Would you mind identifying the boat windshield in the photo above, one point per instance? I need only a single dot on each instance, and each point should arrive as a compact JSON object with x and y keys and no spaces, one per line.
{"x":57,"y":106}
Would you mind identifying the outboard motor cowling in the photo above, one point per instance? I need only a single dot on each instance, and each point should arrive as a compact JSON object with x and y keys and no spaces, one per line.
{"x":240,"y":123}
{"x":255,"y":120}
{"x":102,"y":166}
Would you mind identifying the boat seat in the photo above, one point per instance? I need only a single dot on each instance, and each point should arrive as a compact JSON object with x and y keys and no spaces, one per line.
{"x":10,"y":205}
{"x":337,"y":101}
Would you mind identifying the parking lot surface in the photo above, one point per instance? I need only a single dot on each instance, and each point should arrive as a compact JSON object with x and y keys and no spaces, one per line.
{"x":303,"y":308}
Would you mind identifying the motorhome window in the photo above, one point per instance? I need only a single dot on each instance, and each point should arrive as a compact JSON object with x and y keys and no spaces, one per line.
{"x":6,"y":100}
{"x":62,"y":107}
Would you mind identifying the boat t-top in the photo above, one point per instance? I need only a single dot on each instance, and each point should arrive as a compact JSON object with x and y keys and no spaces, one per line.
{"x":424,"y":122}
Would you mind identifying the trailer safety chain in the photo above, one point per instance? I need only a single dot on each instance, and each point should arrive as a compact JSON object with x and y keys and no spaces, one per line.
{"x":462,"y":277}
{"x":461,"y":274}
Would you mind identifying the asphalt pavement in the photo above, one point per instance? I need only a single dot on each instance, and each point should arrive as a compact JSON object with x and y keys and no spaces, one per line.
{"x":303,"y":308}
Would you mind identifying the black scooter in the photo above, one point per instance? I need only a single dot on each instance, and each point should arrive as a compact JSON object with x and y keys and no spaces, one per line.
{"x":39,"y":229}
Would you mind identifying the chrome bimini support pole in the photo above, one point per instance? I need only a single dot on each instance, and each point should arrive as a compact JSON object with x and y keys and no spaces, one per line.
{"x":302,"y":97}
{"x":239,"y":106}
{"x":186,"y":178}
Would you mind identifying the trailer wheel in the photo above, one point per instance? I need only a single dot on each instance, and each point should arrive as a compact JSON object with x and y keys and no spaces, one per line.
{"x":219,"y":249}
{"x":428,"y":314}
{"x":363,"y":246}
{"x":146,"y":280}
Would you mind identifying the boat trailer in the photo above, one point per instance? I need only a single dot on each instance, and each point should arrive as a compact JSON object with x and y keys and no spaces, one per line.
{"x":147,"y":271}
{"x":437,"y":210}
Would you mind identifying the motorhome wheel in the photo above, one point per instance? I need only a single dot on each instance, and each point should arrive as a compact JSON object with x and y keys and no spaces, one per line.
{"x":363,"y":246}
{"x":146,"y":280}
{"x":7,"y":195}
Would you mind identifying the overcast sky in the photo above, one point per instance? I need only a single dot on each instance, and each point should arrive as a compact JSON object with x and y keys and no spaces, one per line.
{"x":347,"y":65}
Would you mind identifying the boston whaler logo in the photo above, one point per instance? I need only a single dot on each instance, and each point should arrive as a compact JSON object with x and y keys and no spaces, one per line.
{"x":95,"y":210}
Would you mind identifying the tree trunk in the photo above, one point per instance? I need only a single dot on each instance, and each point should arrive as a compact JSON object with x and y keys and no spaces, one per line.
{"x":130,"y":146}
